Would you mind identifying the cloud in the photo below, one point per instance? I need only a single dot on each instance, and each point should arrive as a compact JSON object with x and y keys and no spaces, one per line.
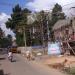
{"x":3,"y":18}
{"x":38,"y":5}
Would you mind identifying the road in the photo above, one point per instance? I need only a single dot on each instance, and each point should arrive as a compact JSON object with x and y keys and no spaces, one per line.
{"x":21,"y":66}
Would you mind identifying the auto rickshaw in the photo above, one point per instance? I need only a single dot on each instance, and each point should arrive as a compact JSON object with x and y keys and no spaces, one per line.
{"x":14,"y":49}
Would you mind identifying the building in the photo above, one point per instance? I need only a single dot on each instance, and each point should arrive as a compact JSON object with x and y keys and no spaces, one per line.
{"x":39,"y":27}
{"x":64,"y":29}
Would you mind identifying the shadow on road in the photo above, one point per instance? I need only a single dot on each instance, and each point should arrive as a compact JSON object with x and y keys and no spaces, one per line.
{"x":13,"y":60}
{"x":7,"y":74}
{"x":2,"y":72}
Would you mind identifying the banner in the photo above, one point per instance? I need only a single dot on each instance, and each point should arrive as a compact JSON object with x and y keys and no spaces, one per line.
{"x":54,"y":48}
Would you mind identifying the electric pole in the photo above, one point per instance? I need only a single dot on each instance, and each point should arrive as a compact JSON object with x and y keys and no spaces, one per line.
{"x":24,"y":38}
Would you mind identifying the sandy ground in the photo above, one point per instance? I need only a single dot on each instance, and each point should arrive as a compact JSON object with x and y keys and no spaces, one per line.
{"x":52,"y":60}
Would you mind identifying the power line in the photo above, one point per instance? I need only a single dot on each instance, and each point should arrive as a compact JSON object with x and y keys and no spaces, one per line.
{"x":68,"y":4}
{"x":65,"y":6}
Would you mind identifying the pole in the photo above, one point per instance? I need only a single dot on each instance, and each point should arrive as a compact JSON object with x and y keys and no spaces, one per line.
{"x":43,"y":42}
{"x":47,"y":32}
{"x":25,"y":39}
{"x":48,"y":27}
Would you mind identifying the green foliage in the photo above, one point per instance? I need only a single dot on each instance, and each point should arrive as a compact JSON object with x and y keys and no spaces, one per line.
{"x":57,"y":8}
{"x":5,"y":42}
{"x":57,"y":14}
{"x":18,"y":22}
{"x":16,"y":17}
{"x":25,"y":13}
{"x":36,"y":42}
{"x":19,"y":40}
{"x":72,"y":71}
{"x":42,"y":22}
{"x":1,"y":33}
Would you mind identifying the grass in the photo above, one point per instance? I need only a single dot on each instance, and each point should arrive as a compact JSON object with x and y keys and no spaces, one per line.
{"x":71,"y":71}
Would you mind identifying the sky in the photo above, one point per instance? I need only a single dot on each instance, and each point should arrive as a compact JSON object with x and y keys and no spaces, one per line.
{"x":3,"y":19}
{"x":34,"y":5}
{"x":7,"y":5}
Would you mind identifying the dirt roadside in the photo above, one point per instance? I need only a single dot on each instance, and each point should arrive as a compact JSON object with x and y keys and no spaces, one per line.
{"x":58,"y":61}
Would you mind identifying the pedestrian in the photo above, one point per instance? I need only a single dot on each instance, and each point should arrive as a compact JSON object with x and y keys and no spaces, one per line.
{"x":10,"y":55}
{"x":28,"y":55}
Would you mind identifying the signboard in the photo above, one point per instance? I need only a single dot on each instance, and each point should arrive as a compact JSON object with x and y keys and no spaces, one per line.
{"x":54,"y":48}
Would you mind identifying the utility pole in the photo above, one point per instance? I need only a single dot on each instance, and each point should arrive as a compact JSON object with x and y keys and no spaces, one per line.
{"x":25,"y":39}
{"x":48,"y":27}
{"x":42,"y":31}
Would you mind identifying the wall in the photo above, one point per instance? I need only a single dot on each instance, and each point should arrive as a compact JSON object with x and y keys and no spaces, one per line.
{"x":22,"y":49}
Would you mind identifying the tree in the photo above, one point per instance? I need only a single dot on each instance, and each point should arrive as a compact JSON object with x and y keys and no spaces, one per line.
{"x":40,"y":23}
{"x":18,"y":22}
{"x":57,"y":14}
{"x":1,"y":36}
{"x":14,"y":22}
{"x":23,"y":34}
{"x":44,"y":27}
{"x":24,"y":27}
{"x":16,"y":17}
{"x":36,"y":37}
{"x":1,"y":33}
{"x":5,"y":41}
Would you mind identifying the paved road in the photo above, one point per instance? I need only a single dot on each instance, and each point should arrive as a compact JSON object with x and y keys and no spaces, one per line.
{"x":21,"y":66}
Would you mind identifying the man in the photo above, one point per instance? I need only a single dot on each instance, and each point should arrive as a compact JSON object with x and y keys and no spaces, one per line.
{"x":28,"y":55}
{"x":10,"y":55}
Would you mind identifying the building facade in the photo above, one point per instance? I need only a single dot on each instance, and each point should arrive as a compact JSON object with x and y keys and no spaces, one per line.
{"x":64,"y":30}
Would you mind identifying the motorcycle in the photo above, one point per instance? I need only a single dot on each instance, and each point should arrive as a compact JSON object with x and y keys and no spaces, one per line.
{"x":10,"y":56}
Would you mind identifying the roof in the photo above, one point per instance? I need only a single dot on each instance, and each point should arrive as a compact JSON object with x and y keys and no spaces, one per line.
{"x":61,"y":23}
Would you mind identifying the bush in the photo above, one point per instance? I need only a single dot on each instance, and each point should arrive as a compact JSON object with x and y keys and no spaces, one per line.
{"x":72,"y":71}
